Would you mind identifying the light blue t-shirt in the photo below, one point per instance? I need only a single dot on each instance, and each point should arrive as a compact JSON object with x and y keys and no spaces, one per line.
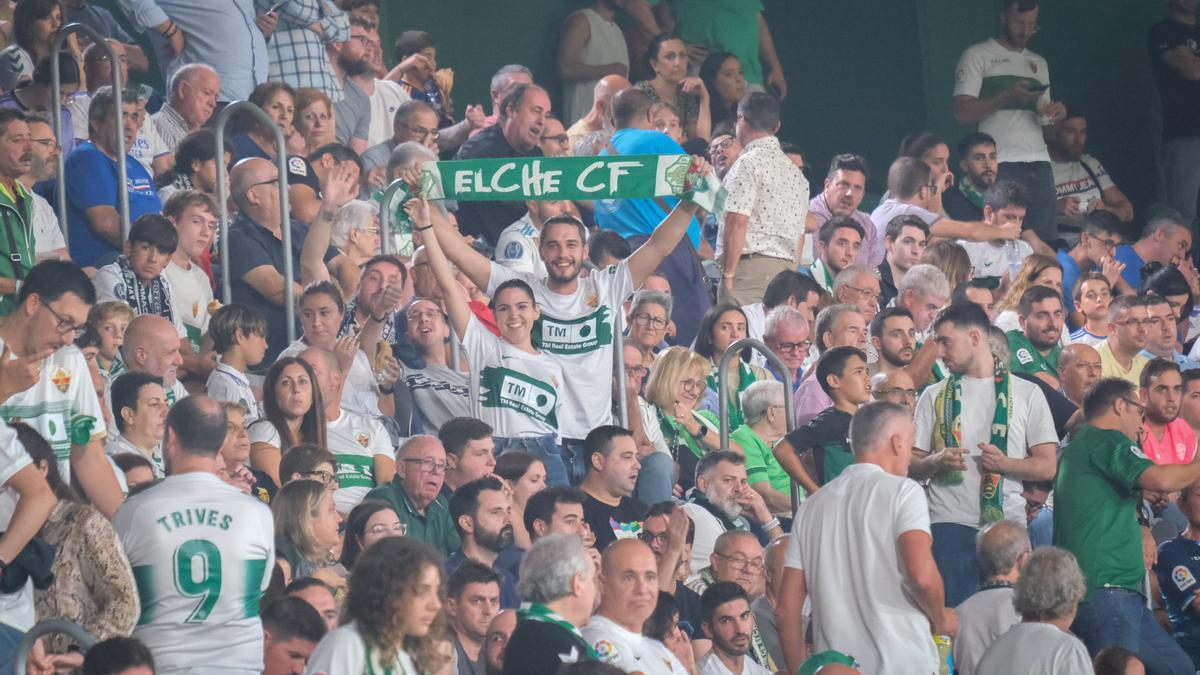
{"x":1071,"y":274}
{"x":631,"y":217}
{"x":1133,"y":265}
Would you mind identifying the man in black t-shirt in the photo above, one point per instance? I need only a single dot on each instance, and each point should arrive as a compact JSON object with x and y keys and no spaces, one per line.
{"x":1174,"y":46}
{"x":612,"y":471}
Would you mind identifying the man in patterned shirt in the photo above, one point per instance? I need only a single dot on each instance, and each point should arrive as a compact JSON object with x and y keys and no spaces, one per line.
{"x":297,"y":46}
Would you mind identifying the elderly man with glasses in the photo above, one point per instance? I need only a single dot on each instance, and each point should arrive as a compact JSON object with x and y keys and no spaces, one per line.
{"x":415,"y":493}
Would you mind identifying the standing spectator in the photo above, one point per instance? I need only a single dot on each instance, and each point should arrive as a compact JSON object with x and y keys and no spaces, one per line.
{"x":977,"y":161}
{"x":35,"y":24}
{"x":904,"y":241}
{"x":912,"y":190}
{"x":871,"y":514}
{"x":415,"y":494}
{"x":976,"y":454}
{"x":612,"y":472}
{"x":418,"y":75}
{"x":558,"y":583}
{"x":1166,"y":239}
{"x":178,"y":562}
{"x":1047,"y":598}
{"x":195,"y":166}
{"x":1096,"y":496}
{"x":297,"y":44}
{"x":709,"y":26}
{"x":393,"y":614}
{"x":414,"y":121}
{"x":482,"y":514}
{"x":517,"y":133}
{"x":838,"y":243}
{"x":439,"y":393}
{"x":599,"y":116}
{"x":1128,"y":333}
{"x":225,"y":37}
{"x":102,"y":21}
{"x":591,"y":46}
{"x":1003,"y":549}
{"x":667,"y":57}
{"x":193,"y":92}
{"x":91,"y":171}
{"x":351,"y":59}
{"x":1081,"y":182}
{"x":729,"y":623}
{"x":472,"y":599}
{"x":1016,"y":107}
{"x":384,"y":97}
{"x":765,"y":205}
{"x":36,"y":95}
{"x":1174,"y":47}
{"x":845,"y":187}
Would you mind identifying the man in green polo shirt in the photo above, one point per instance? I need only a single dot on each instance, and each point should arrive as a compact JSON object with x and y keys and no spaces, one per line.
{"x":415,"y":493}
{"x":1034,"y":349}
{"x":1101,"y":474}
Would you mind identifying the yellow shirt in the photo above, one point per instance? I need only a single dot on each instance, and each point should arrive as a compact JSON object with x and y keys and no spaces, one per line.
{"x":1110,"y":368}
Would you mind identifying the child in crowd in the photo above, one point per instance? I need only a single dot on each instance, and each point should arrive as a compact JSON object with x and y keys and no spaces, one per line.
{"x":239,"y":335}
{"x":1093,"y":294}
{"x":136,"y":277}
{"x":110,"y":319}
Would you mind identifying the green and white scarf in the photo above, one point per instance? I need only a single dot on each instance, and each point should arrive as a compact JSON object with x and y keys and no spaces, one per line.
{"x":534,"y":611}
{"x":745,"y":379}
{"x":947,"y":410}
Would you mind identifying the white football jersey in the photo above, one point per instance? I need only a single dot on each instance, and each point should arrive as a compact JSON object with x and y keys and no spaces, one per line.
{"x":202,"y":554}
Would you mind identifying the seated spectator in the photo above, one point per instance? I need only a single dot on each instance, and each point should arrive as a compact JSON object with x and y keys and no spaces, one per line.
{"x":195,"y":166}
{"x":895,"y":387}
{"x":482,"y":514}
{"x":666,"y":626}
{"x":291,"y":631}
{"x":1003,"y":549}
{"x":787,"y":336}
{"x":1047,"y":595}
{"x":1162,"y":331}
{"x":904,"y":241}
{"x":720,"y":327}
{"x":324,"y":185}
{"x":838,"y":244}
{"x":192,"y":99}
{"x":138,"y":471}
{"x":1004,"y":204}
{"x":556,"y":510}
{"x":97,"y":73}
{"x":525,"y":476}
{"x":239,"y":338}
{"x":836,"y":326}
{"x":367,"y":523}
{"x":15,"y":202}
{"x":977,"y":161}
{"x":139,"y":412}
{"x":607,"y":248}
{"x":729,"y":623}
{"x":554,"y":141}
{"x":308,"y":461}
{"x":319,"y":596}
{"x":469,"y":442}
{"x":1117,"y":661}
{"x":1093,"y":294}
{"x":292,"y":413}
{"x":789,"y":287}
{"x":404,"y":576}
{"x":151,"y":345}
{"x":1128,"y":334}
{"x":91,"y":170}
{"x":518,"y":245}
{"x":845,"y":187}
{"x":1036,"y":270}
{"x":415,"y":494}
{"x":33,"y":31}
{"x":667,"y":57}
{"x":628,"y":595}
{"x":236,"y":454}
{"x":676,"y":390}
{"x":857,"y":285}
{"x":612,"y":472}
{"x":314,"y":120}
{"x":257,"y":138}
{"x":765,"y":425}
{"x":472,"y":599}
{"x":648,"y":321}
{"x":306,"y":531}
{"x":665,"y":119}
{"x":1166,"y":438}
{"x":817,"y":452}
{"x":1177,"y":569}
{"x":723,"y":501}
{"x":1166,"y":239}
{"x":439,"y":393}
{"x":356,"y":237}
{"x":36,"y":95}
{"x":893,"y":339}
{"x":118,"y":655}
{"x":558,"y":580}
{"x":1036,"y":346}
{"x":48,"y":238}
{"x":1081,"y":182}
{"x":1078,"y":368}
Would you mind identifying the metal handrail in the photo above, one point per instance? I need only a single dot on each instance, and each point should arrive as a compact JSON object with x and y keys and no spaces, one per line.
{"x":732,"y":352}
{"x":60,"y":188}
{"x":83,"y":638}
{"x":619,"y":364}
{"x":285,"y":222}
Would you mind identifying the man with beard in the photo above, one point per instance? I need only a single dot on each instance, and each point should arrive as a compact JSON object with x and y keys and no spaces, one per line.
{"x":723,"y":501}
{"x":845,"y":186}
{"x":482,"y":514}
{"x":904,"y":240}
{"x":1078,"y":369}
{"x":838,"y":242}
{"x":977,"y":160}
{"x":1034,"y":349}
{"x":924,"y":291}
{"x":978,"y":427}
{"x":1081,"y":182}
{"x":1166,"y":437}
{"x":729,"y":623}
{"x":472,"y":599}
{"x":1094,"y":252}
{"x":894,"y":338}
{"x":350,"y":60}
{"x":612,"y":470}
{"x":857,"y":285}
{"x":628,"y":594}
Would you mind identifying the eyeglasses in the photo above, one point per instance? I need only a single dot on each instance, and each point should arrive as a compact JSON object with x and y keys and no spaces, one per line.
{"x":652,"y":321}
{"x":1108,"y":244}
{"x":1140,"y":408}
{"x":897,"y":393}
{"x":741,"y":562}
{"x":637,"y":371}
{"x":650,"y":537}
{"x":420,"y":132}
{"x":427,"y":464}
{"x":790,"y":347}
{"x":865,"y":293}
{"x":693,"y":384}
{"x":324,"y":476}
{"x":561,"y":139}
{"x":400,"y":529}
{"x":65,"y":326}
{"x":1134,"y":323}
{"x":723,"y":145}
{"x":48,"y":143}
{"x":363,"y":40}
{"x":273,"y":181}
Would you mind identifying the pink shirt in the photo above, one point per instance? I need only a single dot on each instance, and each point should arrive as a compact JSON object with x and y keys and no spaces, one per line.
{"x":1177,"y":446}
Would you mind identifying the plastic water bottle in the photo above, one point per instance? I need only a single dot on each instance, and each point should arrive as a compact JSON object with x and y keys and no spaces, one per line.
{"x":945,"y":657}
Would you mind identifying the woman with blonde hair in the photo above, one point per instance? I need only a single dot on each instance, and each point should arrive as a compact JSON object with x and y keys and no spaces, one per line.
{"x":951,"y":259}
{"x":1036,"y":270}
{"x":306,"y":531}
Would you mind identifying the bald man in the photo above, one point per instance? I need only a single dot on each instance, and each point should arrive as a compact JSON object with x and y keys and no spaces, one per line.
{"x":1002,"y":547}
{"x":256,"y":256}
{"x":600,"y":116}
{"x":764,"y":605}
{"x":151,"y":346}
{"x":1078,"y":368}
{"x":896,"y":387}
{"x":629,"y":591}
{"x":499,"y":631}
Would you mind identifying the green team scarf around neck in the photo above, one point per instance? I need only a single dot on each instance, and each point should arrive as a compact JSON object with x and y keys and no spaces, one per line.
{"x":745,"y":379}
{"x":947,"y":411}
{"x":674,"y":433}
{"x":538,"y":612}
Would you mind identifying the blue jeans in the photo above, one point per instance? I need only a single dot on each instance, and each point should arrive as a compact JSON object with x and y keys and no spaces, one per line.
{"x":655,"y":479}
{"x":575,"y":459}
{"x":954,"y":553}
{"x":1181,"y":160}
{"x":9,"y":639}
{"x":1119,"y":617}
{"x":544,"y":448}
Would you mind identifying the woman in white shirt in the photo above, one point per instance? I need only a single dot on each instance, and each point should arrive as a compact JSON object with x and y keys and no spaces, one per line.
{"x":292,"y":413}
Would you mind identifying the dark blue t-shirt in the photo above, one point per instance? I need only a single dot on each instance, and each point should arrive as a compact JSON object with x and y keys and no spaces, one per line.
{"x":1178,"y":569}
{"x":631,"y":217}
{"x":1133,"y":265}
{"x":92,"y":181}
{"x":1071,"y":274}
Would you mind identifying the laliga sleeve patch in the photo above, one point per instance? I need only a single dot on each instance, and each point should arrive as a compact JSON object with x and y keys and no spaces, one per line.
{"x":297,"y":166}
{"x":606,"y":650}
{"x":514,"y":250}
{"x":1182,"y":577}
{"x":1024,"y":357}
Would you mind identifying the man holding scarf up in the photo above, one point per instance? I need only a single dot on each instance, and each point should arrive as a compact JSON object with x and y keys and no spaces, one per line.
{"x":979,"y":434}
